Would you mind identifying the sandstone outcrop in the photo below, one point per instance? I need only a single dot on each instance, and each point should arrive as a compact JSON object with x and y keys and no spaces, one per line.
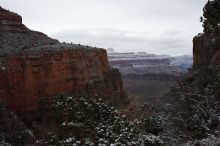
{"x":34,"y":66}
{"x":206,"y":49}
{"x":10,"y":21}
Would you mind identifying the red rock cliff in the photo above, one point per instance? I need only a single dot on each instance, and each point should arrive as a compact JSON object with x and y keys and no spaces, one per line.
{"x":34,"y":66}
{"x":206,"y":49}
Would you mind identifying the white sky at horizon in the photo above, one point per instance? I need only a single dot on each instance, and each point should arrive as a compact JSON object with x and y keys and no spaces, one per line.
{"x":159,"y":27}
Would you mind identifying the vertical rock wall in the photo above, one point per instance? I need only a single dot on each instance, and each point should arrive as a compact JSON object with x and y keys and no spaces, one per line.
{"x":34,"y":67}
{"x":206,"y":49}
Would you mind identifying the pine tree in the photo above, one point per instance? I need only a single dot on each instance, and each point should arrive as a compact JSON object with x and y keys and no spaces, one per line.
{"x":211,"y":16}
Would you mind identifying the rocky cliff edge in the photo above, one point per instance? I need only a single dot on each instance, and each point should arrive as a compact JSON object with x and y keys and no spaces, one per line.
{"x":34,"y":67}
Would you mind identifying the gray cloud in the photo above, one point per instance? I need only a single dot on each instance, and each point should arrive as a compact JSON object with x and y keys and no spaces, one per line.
{"x":168,"y":43}
{"x":159,"y":26}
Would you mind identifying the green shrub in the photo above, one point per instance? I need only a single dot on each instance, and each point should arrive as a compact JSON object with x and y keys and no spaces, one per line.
{"x":88,"y":121}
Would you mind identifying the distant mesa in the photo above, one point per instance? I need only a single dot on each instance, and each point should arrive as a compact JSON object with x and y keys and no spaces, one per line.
{"x":110,"y":50}
{"x":143,"y":63}
{"x":141,"y":52}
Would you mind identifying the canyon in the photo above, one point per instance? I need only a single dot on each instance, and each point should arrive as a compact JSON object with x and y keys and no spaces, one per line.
{"x":34,"y":67}
{"x":148,"y":77}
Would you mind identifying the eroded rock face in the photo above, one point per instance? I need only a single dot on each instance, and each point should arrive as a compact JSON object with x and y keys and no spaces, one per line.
{"x":12,"y":130}
{"x":34,"y":66}
{"x":10,"y":21}
{"x":206,"y":49}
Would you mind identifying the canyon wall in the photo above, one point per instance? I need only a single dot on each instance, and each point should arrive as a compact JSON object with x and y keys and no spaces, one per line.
{"x":206,"y":49}
{"x":34,"y":66}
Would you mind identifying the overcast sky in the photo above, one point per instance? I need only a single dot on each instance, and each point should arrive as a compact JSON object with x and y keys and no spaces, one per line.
{"x":154,"y":26}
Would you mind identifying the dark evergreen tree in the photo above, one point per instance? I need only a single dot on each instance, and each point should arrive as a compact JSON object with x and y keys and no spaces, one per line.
{"x":211,"y":16}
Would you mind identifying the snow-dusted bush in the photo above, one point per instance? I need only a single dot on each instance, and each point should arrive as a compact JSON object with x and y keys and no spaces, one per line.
{"x":211,"y":140}
{"x":3,"y":141}
{"x":197,"y":104}
{"x":88,"y":121}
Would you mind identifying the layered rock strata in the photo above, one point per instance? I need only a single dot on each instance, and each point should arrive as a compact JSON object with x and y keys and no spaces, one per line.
{"x":34,"y":67}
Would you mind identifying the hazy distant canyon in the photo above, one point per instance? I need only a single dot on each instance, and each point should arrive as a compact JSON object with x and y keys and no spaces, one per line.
{"x":148,"y":76}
